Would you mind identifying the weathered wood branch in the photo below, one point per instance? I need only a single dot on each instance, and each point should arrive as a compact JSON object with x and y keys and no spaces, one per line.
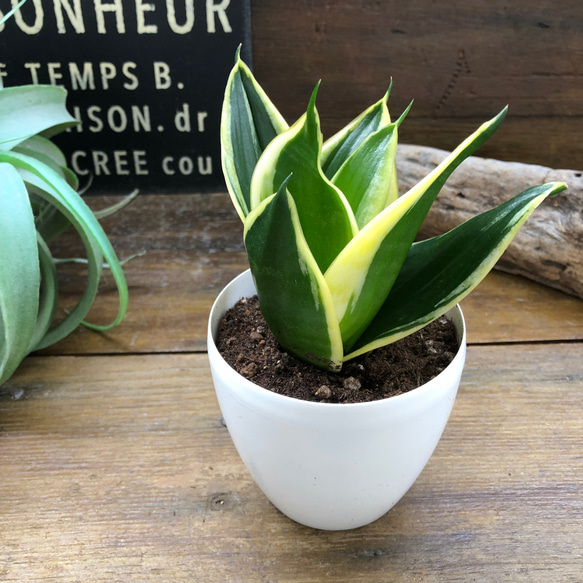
{"x":548,"y":248}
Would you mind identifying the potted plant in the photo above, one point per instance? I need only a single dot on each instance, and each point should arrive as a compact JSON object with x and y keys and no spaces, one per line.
{"x":39,"y":201}
{"x":337,"y":271}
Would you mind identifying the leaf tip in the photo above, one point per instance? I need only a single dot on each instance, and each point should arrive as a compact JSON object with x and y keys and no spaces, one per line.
{"x":404,"y":114}
{"x":388,"y":92}
{"x":312,"y":104}
{"x":557,"y":187}
{"x":283,"y":186}
{"x":311,"y":112}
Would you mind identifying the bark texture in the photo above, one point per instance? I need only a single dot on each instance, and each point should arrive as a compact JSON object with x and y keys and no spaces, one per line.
{"x":548,"y":248}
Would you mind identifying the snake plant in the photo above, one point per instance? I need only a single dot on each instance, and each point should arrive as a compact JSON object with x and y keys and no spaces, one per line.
{"x":38,"y":202}
{"x":331,"y":244}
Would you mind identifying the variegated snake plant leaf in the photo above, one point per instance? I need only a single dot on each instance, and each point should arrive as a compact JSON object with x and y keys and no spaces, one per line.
{"x":330,"y":243}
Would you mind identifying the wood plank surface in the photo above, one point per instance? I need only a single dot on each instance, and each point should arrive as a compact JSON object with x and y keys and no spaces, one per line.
{"x":508,"y":308}
{"x":192,"y":247}
{"x":115,"y":463}
{"x":118,"y":469}
{"x":461,"y":62}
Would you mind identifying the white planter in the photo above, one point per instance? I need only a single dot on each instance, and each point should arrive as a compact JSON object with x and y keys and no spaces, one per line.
{"x":331,"y":466}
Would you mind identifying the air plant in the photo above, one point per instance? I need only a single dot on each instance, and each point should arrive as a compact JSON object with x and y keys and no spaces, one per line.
{"x":331,"y":244}
{"x":39,"y":201}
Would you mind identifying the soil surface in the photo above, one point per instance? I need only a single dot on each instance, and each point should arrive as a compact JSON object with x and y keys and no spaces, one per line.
{"x":247,"y":344}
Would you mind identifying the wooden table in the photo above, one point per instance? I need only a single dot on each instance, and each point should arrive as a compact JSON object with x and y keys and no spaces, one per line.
{"x":115,"y":465}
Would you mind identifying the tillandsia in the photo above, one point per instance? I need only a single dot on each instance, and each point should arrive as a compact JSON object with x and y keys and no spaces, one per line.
{"x":39,"y":201}
{"x":330,"y":242}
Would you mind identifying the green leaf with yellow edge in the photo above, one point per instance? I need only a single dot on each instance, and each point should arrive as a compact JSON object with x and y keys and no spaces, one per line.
{"x":364,"y":272}
{"x":249,"y":121}
{"x":294,"y":298}
{"x":19,"y":272}
{"x":326,"y":218}
{"x":367,"y":174}
{"x":439,"y":272}
{"x":337,"y":149}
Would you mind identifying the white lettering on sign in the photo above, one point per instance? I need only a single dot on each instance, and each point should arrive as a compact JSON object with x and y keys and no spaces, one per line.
{"x":188,"y":22}
{"x":141,"y":9}
{"x":118,"y":162}
{"x":39,"y":17}
{"x":110,"y":15}
{"x":135,"y":118}
{"x":182,"y":119}
{"x":33,"y":68}
{"x":82,"y":81}
{"x":126,"y":124}
{"x":83,"y":77}
{"x":74,"y":15}
{"x":219,"y":10}
{"x":201,"y":116}
{"x":116,"y":8}
{"x":108,"y":72}
{"x":55,"y":74}
{"x":185,"y":165}
{"x":127,"y":71}
{"x":162,"y":78}
{"x":116,"y":118}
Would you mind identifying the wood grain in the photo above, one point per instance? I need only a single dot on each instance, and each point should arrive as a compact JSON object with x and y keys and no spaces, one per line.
{"x":193,"y":247}
{"x":461,"y":63}
{"x":506,"y":308}
{"x":116,"y":465}
{"x":119,"y":469}
{"x":548,"y":248}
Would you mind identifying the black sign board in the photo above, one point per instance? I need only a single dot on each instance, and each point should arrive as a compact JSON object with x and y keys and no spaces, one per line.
{"x":145,"y":78}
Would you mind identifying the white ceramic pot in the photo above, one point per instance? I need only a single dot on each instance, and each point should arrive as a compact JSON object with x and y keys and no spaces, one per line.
{"x":331,"y":466}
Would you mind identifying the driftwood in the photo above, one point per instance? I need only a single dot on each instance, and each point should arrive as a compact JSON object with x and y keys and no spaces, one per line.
{"x":548,"y":248}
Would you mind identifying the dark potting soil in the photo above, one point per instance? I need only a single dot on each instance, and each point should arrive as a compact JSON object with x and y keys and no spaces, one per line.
{"x":247,"y":344}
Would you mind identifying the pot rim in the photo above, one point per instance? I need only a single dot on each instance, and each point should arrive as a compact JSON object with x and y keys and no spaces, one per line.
{"x":285,"y":400}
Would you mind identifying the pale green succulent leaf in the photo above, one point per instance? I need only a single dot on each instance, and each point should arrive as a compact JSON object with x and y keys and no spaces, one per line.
{"x":19,"y":272}
{"x":363,"y":274}
{"x":45,"y":146}
{"x":367,"y":177}
{"x":327,"y":220}
{"x":50,"y":223}
{"x":249,"y":121}
{"x":114,"y":208}
{"x":31,"y":109}
{"x":337,"y":149}
{"x":48,"y":152}
{"x":77,"y":315}
{"x":49,"y":294}
{"x":292,"y":293}
{"x":52,"y":188}
{"x":439,"y":272}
